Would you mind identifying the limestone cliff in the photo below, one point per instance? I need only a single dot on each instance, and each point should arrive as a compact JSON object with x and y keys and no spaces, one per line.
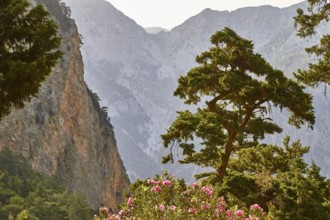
{"x":64,"y":132}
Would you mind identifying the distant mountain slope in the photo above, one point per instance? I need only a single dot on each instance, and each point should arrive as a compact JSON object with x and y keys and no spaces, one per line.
{"x":155,"y":30}
{"x":63,"y":131}
{"x":135,"y":73}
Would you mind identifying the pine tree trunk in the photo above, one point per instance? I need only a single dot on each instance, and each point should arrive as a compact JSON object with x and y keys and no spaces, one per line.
{"x":221,"y":171}
{"x":223,"y":167}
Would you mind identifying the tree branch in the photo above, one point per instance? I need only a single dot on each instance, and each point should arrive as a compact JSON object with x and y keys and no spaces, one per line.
{"x":250,"y":113}
{"x":212,"y":104}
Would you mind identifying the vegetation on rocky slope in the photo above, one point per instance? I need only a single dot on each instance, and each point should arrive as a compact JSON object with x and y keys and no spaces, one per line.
{"x":26,"y":194}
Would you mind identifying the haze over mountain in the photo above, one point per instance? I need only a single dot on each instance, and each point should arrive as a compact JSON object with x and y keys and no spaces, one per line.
{"x":135,"y":74}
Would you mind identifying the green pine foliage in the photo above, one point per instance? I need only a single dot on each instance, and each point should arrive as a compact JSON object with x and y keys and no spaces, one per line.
{"x":26,"y":194}
{"x":238,"y":88}
{"x":318,"y":11}
{"x":280,"y":179}
{"x":28,"y":51}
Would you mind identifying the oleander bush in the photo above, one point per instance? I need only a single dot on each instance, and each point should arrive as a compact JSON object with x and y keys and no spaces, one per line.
{"x":165,"y":197}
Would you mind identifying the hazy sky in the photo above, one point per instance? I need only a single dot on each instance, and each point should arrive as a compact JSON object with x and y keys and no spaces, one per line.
{"x":170,"y":13}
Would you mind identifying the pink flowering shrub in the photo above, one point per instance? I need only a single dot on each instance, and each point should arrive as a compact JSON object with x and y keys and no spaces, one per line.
{"x":165,"y":197}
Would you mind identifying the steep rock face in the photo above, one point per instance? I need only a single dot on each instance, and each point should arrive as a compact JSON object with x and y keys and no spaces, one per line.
{"x":135,"y":73}
{"x":131,"y":65}
{"x":64,"y":132}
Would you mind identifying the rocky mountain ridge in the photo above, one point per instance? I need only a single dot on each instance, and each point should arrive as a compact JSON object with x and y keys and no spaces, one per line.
{"x":64,"y":132}
{"x":135,"y":73}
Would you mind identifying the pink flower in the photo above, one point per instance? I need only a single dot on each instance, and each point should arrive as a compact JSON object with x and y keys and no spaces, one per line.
{"x":161,"y":207}
{"x":207,"y":191}
{"x":222,"y":201}
{"x":172,"y":207}
{"x":193,"y":185}
{"x":152,"y":181}
{"x":221,"y":204}
{"x":229,"y":213}
{"x":239,"y":213}
{"x":104,"y":210}
{"x":192,"y":210}
{"x":130,"y":201}
{"x":220,"y":208}
{"x":115,"y":217}
{"x":167,"y":183}
{"x":217,"y":213}
{"x":149,"y":181}
{"x":256,"y":207}
{"x":205,"y":206}
{"x":156,"y":189}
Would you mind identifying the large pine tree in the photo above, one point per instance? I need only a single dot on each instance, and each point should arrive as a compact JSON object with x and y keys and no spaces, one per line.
{"x":238,"y":87}
{"x":28,"y":50}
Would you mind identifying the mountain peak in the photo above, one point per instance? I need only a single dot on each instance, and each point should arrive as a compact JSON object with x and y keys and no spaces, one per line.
{"x":207,"y":10}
